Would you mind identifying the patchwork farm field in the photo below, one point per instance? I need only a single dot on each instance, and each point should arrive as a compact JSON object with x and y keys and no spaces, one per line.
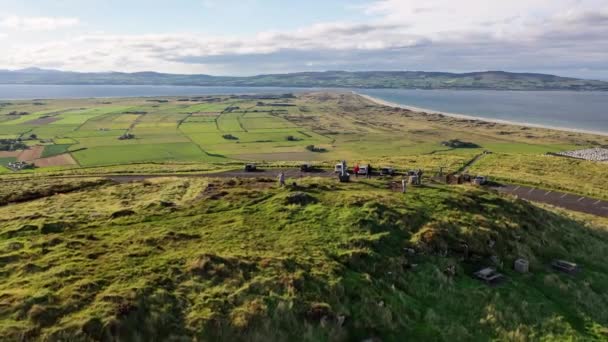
{"x":283,"y":128}
{"x":136,"y":226}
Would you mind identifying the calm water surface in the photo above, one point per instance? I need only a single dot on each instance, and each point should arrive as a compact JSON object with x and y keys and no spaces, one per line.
{"x":568,"y":109}
{"x":579,"y":110}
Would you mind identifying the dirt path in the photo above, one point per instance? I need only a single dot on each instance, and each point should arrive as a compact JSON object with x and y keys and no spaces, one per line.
{"x":270,"y":173}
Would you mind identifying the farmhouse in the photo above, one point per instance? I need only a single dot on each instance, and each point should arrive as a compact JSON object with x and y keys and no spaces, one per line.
{"x":19,"y":165}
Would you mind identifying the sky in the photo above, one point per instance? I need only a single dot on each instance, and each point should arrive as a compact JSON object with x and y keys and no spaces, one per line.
{"x":248,"y":37}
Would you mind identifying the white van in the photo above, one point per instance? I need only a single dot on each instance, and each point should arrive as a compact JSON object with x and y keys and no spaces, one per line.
{"x":338,"y":168}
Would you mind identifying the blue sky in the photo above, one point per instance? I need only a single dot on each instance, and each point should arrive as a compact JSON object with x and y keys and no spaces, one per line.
{"x":210,"y":16}
{"x":566,"y":37}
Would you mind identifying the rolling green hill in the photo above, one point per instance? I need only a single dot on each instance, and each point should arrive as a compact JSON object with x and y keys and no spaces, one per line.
{"x":242,"y":260}
{"x":494,"y":80}
{"x":196,"y":256}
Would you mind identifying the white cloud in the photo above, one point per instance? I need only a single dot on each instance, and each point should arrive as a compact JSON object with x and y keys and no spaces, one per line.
{"x":37,"y":23}
{"x":466,"y":35}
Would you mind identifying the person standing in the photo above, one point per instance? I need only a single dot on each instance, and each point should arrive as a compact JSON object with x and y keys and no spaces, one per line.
{"x":356,"y":170}
{"x":403,"y":185}
{"x":419,"y":174}
{"x":369,"y":171}
{"x":281,"y":179}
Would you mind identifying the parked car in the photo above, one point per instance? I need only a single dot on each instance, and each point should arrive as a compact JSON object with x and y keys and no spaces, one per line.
{"x":480,"y":180}
{"x":387,"y":171}
{"x":250,"y":168}
{"x":307,"y":168}
{"x":363,"y":169}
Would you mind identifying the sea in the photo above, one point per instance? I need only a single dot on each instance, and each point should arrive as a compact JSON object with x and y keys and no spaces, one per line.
{"x":586,"y":111}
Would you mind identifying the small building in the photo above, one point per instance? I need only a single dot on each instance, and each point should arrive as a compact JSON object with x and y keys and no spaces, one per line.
{"x":565,"y":266}
{"x":521,"y":266}
{"x":489,"y":275}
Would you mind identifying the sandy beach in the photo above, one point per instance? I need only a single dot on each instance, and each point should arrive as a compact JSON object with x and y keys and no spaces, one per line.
{"x":479,"y":118}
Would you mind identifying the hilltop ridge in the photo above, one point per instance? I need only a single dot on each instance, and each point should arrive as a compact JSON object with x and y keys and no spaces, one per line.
{"x":244,"y":260}
{"x":489,"y":80}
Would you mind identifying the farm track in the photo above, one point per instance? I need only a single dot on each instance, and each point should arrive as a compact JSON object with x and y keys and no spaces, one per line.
{"x":470,"y":163}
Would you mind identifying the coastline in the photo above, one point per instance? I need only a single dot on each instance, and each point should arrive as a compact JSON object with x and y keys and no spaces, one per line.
{"x":478,"y":118}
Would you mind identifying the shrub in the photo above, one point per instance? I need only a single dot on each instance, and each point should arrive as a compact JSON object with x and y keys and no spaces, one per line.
{"x":43,"y":316}
{"x":229,"y":137}
{"x":455,"y":143}
{"x":122,"y":213}
{"x":54,"y":227}
{"x":313,"y":148}
{"x":300,"y":198}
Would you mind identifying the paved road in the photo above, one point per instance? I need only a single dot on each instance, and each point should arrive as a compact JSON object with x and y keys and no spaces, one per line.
{"x":558,"y":199}
{"x":268,"y":173}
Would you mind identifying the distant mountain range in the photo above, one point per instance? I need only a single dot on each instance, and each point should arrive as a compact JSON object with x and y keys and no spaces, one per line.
{"x":491,"y":80}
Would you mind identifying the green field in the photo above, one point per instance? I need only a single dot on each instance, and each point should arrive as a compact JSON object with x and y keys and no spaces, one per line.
{"x":193,"y":256}
{"x":139,"y":153}
{"x":345,"y":126}
{"x":53,"y":150}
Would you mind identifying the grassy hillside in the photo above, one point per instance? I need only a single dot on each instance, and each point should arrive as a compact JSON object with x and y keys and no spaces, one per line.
{"x":563,"y":174}
{"x":209,"y":259}
{"x":496,"y":80}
